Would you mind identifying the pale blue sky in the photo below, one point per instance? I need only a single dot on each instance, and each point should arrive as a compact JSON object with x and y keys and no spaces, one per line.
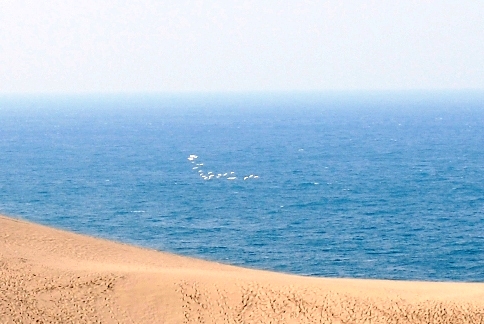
{"x":164,"y":46}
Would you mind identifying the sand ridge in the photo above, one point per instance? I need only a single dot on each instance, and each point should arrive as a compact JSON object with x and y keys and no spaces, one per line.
{"x":53,"y":276}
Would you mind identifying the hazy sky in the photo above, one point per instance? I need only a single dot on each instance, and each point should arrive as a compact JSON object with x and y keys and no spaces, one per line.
{"x":164,"y":45}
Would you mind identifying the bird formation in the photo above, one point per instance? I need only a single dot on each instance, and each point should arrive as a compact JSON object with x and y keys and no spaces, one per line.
{"x":211,"y":175}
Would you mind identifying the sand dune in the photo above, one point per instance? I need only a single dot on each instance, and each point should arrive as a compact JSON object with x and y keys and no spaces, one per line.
{"x":53,"y":276}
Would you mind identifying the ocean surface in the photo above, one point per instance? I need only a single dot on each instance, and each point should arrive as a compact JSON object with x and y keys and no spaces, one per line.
{"x":375,"y":185}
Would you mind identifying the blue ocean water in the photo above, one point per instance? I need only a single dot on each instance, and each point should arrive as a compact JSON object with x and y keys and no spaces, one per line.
{"x":343,"y":185}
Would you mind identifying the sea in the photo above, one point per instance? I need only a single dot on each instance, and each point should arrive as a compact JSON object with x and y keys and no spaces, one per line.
{"x":384,"y":185}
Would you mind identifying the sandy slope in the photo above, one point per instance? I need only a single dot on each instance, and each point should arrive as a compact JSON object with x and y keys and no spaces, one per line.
{"x":52,"y":276}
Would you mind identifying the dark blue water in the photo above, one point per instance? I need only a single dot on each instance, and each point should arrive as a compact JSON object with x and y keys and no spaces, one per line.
{"x":366,"y":186}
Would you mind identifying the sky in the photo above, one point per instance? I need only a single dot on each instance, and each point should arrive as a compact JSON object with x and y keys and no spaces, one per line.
{"x":110,"y":46}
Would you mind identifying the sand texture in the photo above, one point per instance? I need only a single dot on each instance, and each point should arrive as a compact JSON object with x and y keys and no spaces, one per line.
{"x":53,"y":276}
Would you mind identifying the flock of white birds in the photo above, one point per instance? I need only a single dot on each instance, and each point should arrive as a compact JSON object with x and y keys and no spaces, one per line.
{"x":212,"y":175}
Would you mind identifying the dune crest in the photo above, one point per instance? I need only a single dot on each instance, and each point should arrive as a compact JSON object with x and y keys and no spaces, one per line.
{"x":52,"y":276}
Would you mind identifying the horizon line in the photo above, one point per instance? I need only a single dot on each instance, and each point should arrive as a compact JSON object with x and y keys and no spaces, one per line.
{"x":240,"y":92}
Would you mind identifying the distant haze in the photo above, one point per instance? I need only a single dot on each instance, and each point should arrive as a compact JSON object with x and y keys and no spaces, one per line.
{"x":178,"y":46}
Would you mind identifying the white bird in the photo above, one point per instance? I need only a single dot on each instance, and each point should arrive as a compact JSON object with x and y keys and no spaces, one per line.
{"x":231,"y":178}
{"x":251,"y":176}
{"x":256,"y":177}
{"x":194,"y":168}
{"x":245,"y":178}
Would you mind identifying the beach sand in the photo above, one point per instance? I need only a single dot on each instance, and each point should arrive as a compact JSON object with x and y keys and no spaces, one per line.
{"x":53,"y":276}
